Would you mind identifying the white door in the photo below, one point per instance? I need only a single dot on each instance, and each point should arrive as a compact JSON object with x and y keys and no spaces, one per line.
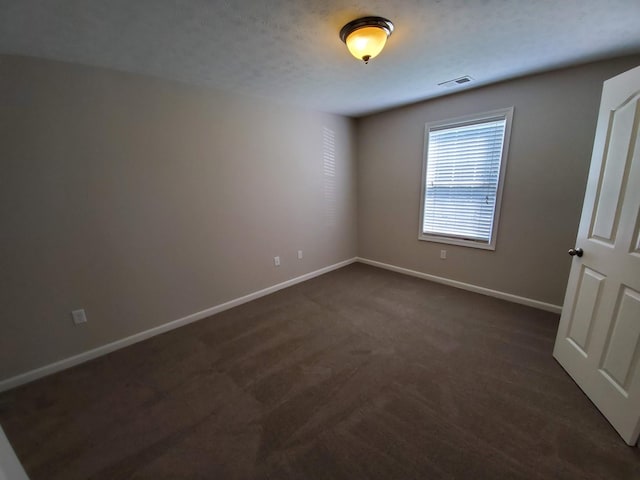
{"x":598,"y":340}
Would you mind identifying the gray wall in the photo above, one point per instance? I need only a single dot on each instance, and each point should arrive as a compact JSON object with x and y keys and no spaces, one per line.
{"x":143,"y":201}
{"x":550,"y":150}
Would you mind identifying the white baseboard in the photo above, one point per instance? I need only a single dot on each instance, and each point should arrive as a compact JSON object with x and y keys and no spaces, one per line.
{"x":467,"y":286}
{"x":138,"y":337}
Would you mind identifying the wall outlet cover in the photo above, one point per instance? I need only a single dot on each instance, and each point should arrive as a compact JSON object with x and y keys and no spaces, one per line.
{"x":79,"y":316}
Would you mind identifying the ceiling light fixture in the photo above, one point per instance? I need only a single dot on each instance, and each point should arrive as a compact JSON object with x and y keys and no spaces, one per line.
{"x":365,"y":37}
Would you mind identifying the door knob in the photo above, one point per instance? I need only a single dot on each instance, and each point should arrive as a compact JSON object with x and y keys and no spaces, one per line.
{"x":576,"y":251}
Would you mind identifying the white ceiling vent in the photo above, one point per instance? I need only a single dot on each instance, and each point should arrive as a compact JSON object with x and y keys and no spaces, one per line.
{"x":456,"y":81}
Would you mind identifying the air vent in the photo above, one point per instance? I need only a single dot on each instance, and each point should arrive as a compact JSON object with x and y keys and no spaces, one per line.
{"x":456,"y":81}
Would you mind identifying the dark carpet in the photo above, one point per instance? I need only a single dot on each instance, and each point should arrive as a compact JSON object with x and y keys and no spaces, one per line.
{"x":358,"y":374}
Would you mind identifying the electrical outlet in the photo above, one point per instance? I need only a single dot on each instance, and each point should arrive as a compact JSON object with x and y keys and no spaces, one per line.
{"x":443,"y":254}
{"x":299,"y":254}
{"x":276,"y":261}
{"x":79,"y":316}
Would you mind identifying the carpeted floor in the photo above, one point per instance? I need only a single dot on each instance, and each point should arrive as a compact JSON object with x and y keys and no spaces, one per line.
{"x":360,"y":373}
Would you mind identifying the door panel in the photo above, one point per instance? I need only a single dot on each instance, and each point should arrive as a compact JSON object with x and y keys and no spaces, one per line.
{"x":588,"y":299}
{"x":598,"y":340}
{"x":621,"y":350}
{"x":635,"y":249}
{"x":620,"y":131}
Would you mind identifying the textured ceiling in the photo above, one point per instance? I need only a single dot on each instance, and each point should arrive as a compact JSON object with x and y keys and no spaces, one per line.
{"x":290,"y":50}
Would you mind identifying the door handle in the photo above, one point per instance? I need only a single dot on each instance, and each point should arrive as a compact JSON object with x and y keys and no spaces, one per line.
{"x":576,"y":252}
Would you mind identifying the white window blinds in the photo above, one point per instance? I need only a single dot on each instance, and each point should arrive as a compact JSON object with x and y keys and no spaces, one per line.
{"x":462,"y":179}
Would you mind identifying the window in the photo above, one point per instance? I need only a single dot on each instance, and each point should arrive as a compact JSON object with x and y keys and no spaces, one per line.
{"x":463,"y":172}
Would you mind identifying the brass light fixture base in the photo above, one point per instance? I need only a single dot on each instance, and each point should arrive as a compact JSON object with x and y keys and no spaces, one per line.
{"x":358,"y":23}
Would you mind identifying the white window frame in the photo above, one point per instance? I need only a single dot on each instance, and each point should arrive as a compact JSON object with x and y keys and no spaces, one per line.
{"x":503,"y":113}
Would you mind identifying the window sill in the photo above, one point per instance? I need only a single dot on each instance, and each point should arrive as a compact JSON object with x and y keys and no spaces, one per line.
{"x":457,"y":241}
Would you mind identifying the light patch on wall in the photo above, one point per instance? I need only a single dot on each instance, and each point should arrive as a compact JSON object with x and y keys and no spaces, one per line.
{"x":330,"y":184}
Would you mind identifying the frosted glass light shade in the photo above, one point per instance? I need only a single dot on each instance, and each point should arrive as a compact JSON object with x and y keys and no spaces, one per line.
{"x":366,"y":43}
{"x":366,"y":37}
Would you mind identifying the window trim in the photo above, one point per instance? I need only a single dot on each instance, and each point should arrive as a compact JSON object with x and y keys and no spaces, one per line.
{"x":507,"y":114}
